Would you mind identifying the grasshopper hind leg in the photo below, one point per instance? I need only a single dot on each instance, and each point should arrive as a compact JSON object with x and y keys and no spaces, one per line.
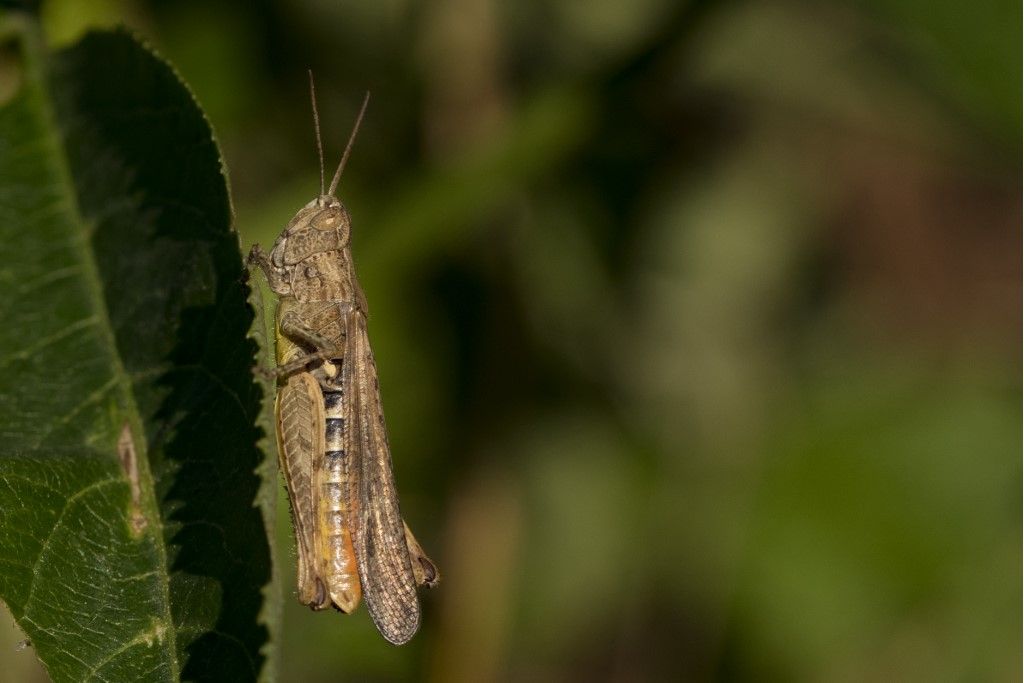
{"x":300,"y":418}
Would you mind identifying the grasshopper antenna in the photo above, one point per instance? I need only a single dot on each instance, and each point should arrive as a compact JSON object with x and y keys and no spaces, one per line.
{"x":316,"y":127}
{"x":348,"y":147}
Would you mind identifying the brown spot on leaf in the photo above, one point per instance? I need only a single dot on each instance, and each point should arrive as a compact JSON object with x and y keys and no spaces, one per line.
{"x":130,"y":464}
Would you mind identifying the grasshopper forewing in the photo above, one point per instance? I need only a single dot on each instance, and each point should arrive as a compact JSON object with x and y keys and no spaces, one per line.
{"x":352,"y":541}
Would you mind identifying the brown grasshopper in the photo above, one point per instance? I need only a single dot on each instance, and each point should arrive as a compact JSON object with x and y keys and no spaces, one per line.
{"x":351,"y":538}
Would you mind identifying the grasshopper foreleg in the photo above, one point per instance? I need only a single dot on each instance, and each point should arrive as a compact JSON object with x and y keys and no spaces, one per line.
{"x":275,"y":277}
{"x":293,"y":327}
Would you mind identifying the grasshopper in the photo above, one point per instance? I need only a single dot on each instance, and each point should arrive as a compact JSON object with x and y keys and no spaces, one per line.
{"x":352,"y":541}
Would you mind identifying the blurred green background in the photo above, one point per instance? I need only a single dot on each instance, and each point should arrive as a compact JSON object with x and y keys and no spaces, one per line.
{"x":698,"y":324}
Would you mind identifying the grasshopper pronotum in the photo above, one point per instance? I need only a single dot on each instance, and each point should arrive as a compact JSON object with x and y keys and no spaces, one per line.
{"x":351,"y":539}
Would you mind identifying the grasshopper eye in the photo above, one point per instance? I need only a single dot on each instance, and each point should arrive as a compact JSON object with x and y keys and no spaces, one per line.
{"x":331,"y":218}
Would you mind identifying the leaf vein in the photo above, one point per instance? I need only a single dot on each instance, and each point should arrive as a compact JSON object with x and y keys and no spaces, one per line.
{"x":67,"y":417}
{"x":49,"y":278}
{"x":153,"y":634}
{"x":54,"y":338}
{"x":49,"y":536}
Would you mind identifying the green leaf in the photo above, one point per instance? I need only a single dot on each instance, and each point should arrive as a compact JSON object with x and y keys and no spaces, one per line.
{"x":125,"y":316}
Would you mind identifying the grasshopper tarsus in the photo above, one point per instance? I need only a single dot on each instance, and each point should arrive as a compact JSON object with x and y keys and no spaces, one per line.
{"x":277,"y":278}
{"x":257,"y":257}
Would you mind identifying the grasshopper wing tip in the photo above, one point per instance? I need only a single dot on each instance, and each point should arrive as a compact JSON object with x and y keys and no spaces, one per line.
{"x":399,"y":632}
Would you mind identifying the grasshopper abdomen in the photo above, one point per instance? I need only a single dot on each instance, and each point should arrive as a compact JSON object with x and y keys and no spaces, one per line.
{"x":337,"y":484}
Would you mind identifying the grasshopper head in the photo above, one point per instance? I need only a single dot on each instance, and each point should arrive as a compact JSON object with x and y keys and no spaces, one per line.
{"x":322,"y":225}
